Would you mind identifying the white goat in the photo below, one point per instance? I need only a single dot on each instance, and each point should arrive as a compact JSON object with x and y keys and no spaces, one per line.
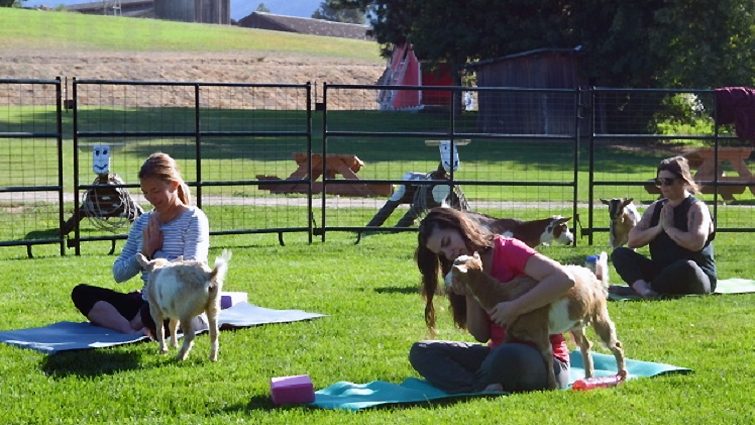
{"x":181,"y":290}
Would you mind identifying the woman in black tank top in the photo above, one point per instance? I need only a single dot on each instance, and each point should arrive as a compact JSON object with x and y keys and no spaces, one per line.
{"x":679,"y":231}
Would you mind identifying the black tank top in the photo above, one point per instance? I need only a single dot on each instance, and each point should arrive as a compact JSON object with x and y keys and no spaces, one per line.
{"x":664,"y":251}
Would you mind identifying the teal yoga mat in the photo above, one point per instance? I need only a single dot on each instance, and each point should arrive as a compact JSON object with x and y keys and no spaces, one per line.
{"x":723,"y":287}
{"x":350,"y":396}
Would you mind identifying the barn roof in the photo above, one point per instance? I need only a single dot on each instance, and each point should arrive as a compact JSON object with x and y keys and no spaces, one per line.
{"x":133,"y":8}
{"x":519,"y":55}
{"x":304,"y":25}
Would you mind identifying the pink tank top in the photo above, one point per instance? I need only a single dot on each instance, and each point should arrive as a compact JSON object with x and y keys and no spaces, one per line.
{"x":508,"y":261}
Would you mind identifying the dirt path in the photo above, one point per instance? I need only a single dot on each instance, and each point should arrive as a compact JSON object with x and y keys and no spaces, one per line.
{"x":215,"y":67}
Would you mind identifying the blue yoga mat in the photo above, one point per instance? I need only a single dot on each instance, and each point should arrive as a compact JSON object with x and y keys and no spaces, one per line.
{"x":62,"y":336}
{"x":349,"y":396}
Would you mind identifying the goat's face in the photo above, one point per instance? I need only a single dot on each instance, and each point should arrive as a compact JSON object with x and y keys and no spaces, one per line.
{"x":151,"y":265}
{"x":456,"y":278}
{"x":557,"y":231}
{"x":620,"y":209}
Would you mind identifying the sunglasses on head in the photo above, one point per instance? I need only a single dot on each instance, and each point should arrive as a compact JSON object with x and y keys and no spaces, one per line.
{"x":665,"y":181}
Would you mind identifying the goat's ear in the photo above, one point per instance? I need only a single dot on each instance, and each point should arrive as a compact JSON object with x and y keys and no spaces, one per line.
{"x":563,"y":220}
{"x":476,"y":256}
{"x":604,"y":201}
{"x":459,"y":268}
{"x":142,"y":260}
{"x":626,"y":202}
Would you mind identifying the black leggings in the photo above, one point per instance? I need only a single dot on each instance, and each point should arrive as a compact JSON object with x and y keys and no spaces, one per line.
{"x":128,"y":305}
{"x":679,"y":278}
{"x":85,"y":296}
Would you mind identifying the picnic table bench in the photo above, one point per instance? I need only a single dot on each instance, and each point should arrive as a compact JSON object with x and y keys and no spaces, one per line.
{"x":346,"y":165}
{"x":703,"y":160}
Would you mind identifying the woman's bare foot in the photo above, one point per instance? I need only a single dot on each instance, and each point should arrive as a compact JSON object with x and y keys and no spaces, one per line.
{"x":643,"y":289}
{"x":494,"y":387}
{"x":137,"y":327}
{"x":146,"y":332}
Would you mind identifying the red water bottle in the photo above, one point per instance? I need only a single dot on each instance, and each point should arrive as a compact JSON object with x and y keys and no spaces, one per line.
{"x":597,"y":382}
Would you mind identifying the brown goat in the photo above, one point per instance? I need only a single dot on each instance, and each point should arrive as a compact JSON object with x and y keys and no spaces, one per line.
{"x":624,"y":217}
{"x":533,"y":232}
{"x":583,"y":304}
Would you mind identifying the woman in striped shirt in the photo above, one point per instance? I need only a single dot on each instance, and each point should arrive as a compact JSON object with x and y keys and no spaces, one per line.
{"x":171,"y":230}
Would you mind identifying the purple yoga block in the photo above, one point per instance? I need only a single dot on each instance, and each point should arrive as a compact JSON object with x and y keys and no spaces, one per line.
{"x":229,"y":299}
{"x":292,"y":389}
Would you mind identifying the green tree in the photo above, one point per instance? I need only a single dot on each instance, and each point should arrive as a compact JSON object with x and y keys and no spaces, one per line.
{"x":10,"y":3}
{"x":262,"y":8}
{"x":340,"y":11}
{"x":712,"y":43}
{"x":642,"y":43}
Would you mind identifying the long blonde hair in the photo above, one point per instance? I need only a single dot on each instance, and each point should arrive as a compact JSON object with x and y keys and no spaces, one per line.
{"x":162,"y":166}
{"x":432,"y":266}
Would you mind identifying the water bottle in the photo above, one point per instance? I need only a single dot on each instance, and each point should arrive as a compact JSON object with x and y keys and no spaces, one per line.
{"x":591,"y":261}
{"x":585,"y":384}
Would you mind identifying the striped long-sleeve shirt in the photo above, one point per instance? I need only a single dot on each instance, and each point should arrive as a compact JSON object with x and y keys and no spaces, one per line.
{"x":187,"y":235}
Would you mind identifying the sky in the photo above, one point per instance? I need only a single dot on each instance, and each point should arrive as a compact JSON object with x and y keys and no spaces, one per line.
{"x":239,"y":8}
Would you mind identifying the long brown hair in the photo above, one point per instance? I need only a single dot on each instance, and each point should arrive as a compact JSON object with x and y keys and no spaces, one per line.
{"x":679,"y":166}
{"x":433,"y":266}
{"x":162,"y":166}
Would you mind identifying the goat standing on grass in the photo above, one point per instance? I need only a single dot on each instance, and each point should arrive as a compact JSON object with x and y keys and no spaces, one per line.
{"x":624,"y":217}
{"x":180,"y":291}
{"x":583,"y":304}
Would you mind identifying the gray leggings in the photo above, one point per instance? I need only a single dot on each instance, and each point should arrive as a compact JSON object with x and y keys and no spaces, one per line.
{"x":463,"y":367}
{"x":681,"y":277}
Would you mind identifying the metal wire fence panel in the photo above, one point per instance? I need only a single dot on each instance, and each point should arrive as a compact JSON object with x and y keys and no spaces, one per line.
{"x":260,"y":159}
{"x":636,"y":129}
{"x":31,"y":179}
{"x":236,"y":145}
{"x":384,"y":168}
{"x":521,"y":112}
{"x":116,"y":126}
{"x":255,"y":150}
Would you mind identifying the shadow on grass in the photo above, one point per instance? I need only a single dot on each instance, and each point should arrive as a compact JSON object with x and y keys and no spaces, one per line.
{"x":397,"y":290}
{"x":264,"y":403}
{"x":42,"y":234}
{"x":261,"y":402}
{"x":90,"y":363}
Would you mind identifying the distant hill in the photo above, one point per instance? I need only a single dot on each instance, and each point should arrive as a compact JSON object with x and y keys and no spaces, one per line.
{"x":302,"y":8}
{"x":239,"y":8}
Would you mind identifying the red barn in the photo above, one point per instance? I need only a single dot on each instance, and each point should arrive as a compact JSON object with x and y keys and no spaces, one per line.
{"x":405,"y":69}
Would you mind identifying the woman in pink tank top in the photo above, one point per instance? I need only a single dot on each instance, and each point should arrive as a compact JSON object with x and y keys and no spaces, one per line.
{"x":454,"y":366}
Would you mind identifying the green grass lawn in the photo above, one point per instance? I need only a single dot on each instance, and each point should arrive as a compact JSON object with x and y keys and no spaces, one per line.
{"x":31,"y":30}
{"x":369,"y":292}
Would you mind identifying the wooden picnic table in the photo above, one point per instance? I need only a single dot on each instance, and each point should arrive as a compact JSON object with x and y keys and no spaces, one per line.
{"x":346,"y":165}
{"x":702,"y":161}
